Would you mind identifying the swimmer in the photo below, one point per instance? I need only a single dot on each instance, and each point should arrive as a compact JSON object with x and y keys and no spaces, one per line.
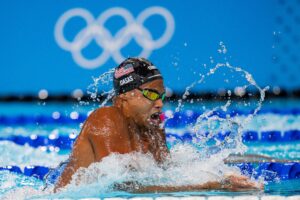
{"x":133,"y":124}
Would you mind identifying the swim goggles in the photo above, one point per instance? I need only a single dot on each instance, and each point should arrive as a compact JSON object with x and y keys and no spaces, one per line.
{"x":152,"y":94}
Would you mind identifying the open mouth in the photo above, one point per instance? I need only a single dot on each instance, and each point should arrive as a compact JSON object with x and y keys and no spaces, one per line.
{"x":155,"y":119}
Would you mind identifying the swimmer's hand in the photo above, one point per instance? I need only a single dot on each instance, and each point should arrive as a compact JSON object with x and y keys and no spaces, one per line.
{"x":240,"y":183}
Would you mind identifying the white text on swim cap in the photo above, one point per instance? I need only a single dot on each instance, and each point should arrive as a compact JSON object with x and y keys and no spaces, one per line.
{"x":126,"y":80}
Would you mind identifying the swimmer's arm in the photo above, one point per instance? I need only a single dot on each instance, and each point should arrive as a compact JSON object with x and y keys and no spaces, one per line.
{"x":187,"y":188}
{"x":230,"y":183}
{"x":82,"y":156}
{"x":135,"y":187}
{"x":94,"y":142}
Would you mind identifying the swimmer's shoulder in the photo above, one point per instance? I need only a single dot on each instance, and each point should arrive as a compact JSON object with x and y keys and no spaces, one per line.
{"x":108,"y":112}
{"x":106,"y":127}
{"x":108,"y":118}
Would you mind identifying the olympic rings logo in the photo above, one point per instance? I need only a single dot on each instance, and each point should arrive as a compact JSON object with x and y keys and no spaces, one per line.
{"x":112,"y":44}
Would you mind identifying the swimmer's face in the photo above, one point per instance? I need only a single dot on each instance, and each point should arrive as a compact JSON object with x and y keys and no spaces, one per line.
{"x":143,"y":111}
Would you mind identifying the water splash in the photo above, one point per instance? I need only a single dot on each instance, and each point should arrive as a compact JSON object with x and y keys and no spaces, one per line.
{"x":100,"y":178}
{"x":93,"y":89}
{"x":208,"y":124}
{"x":17,"y":155}
{"x":26,"y":186}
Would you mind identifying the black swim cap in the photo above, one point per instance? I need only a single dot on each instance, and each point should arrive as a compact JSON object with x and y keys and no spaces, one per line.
{"x":132,"y":73}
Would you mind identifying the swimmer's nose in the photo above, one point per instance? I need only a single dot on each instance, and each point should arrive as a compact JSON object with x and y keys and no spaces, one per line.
{"x":158,"y":104}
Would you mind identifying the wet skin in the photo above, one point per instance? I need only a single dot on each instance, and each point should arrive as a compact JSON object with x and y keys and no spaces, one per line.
{"x":122,"y":128}
{"x":128,"y":126}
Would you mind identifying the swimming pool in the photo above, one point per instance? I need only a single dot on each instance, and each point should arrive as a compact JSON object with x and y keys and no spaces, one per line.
{"x":35,"y":137}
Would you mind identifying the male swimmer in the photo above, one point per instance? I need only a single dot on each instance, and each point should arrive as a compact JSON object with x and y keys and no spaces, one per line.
{"x":133,"y":124}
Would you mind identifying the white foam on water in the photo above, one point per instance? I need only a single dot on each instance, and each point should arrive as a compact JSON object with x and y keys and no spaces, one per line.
{"x":38,"y":130}
{"x":16,"y":186}
{"x":184,"y":167}
{"x":19,"y":155}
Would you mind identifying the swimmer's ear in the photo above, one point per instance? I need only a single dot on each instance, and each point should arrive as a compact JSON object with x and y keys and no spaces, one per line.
{"x":126,"y":96}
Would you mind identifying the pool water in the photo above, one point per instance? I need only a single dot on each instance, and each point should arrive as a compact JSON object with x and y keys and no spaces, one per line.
{"x":35,"y":137}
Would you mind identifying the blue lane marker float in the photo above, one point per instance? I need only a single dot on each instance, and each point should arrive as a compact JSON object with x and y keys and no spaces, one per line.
{"x":34,"y":171}
{"x":250,"y":136}
{"x":62,"y":142}
{"x":40,"y":119}
{"x":291,"y":135}
{"x":247,"y":136}
{"x":15,"y":169}
{"x":179,"y":119}
{"x":274,"y":136}
{"x":65,"y":142}
{"x":271,"y":171}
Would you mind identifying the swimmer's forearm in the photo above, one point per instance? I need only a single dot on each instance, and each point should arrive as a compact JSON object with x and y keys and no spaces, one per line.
{"x":65,"y":178}
{"x":190,"y":188}
{"x":230,"y":184}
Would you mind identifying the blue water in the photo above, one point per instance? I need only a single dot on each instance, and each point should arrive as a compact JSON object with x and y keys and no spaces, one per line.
{"x":20,"y":120}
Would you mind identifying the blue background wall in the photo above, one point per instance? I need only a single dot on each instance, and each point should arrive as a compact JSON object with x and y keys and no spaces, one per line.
{"x":261,"y":36}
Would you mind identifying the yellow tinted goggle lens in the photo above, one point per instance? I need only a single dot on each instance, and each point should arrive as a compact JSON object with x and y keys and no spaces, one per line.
{"x":153,"y":95}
